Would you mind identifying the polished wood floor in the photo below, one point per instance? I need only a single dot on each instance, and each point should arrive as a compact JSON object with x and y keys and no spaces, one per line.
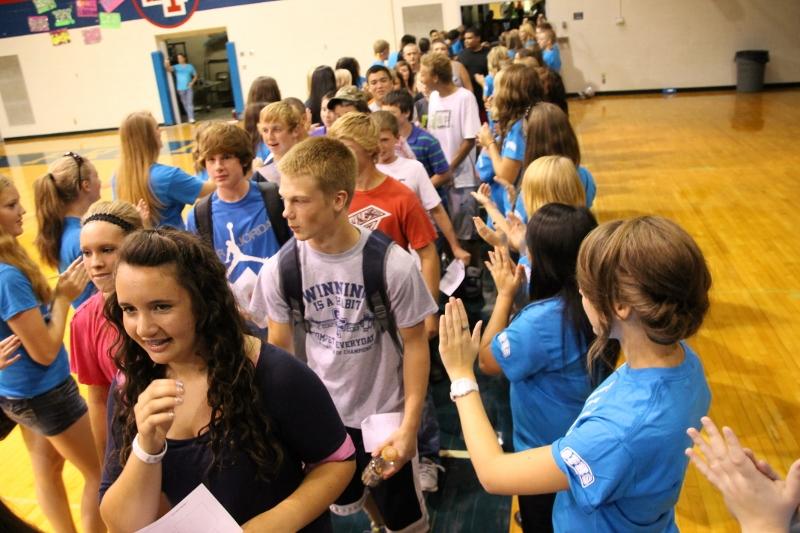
{"x":725,"y":166}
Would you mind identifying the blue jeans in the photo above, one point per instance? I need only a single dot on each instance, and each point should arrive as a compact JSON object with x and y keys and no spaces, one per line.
{"x":428,"y":435}
{"x":187,"y":99}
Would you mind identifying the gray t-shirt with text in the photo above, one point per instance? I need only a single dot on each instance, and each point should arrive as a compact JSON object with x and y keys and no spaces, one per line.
{"x":364,"y":375}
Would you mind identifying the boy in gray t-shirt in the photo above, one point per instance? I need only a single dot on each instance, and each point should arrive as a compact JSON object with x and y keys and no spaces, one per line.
{"x":363,"y":371}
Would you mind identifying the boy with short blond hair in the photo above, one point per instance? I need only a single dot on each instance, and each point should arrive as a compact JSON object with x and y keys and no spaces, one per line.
{"x":356,"y":360}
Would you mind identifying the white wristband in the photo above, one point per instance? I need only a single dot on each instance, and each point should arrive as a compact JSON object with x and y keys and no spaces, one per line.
{"x":462,"y":387}
{"x":144,"y":456}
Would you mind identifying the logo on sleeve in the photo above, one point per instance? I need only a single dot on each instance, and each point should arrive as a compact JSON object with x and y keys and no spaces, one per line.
{"x":578,"y":465}
{"x":505,"y":346}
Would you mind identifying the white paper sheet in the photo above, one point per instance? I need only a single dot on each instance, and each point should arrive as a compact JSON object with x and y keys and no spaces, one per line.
{"x":199,"y":511}
{"x":453,"y":276}
{"x":377,"y":428}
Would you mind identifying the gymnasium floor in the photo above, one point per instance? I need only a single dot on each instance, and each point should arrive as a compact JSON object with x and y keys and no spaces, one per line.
{"x":724,"y":165}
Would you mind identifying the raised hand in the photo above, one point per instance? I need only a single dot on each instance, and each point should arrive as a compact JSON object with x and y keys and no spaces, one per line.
{"x":457,"y":346}
{"x":758,"y":500}
{"x":9,"y":351}
{"x":155,"y":412}
{"x":73,"y":280}
{"x":507,"y":276}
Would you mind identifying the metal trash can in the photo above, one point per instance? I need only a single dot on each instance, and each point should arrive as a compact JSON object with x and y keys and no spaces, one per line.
{"x":750,"y":70}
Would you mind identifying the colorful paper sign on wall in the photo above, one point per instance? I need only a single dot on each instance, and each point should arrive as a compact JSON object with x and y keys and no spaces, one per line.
{"x":91,"y":35}
{"x":59,"y":37}
{"x":63,"y":17}
{"x":110,"y":5}
{"x":110,"y":21}
{"x":43,"y":6}
{"x":39,"y":23}
{"x":86,"y":8}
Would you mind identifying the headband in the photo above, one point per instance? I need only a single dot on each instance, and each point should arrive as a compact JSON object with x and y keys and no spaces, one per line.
{"x":126,"y":226}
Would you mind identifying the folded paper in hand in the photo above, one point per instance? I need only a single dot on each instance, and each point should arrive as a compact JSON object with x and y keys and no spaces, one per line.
{"x":199,"y":511}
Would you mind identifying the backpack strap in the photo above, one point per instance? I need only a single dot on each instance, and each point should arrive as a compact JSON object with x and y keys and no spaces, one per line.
{"x":292,"y":282}
{"x":374,"y":270}
{"x":202,"y":219}
{"x":274,"y":205}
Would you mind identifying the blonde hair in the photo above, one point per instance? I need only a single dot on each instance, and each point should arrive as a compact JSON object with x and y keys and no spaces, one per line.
{"x":282,"y":112}
{"x":526,"y":32}
{"x":357,"y":127}
{"x":497,"y":59}
{"x":139,"y":139}
{"x":12,"y":253}
{"x":343,"y":77}
{"x":551,"y":179}
{"x":53,"y":193}
{"x":117,"y":208}
{"x":325,"y":160}
{"x":654,"y":266}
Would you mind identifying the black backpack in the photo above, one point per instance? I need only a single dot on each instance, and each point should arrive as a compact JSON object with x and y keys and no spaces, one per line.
{"x":373,"y":267}
{"x":272,"y":202}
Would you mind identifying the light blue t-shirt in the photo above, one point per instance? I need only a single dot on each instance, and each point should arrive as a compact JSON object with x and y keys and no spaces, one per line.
{"x":545,"y":363}
{"x":394,"y":57}
{"x":587,"y":180}
{"x":552,"y":58}
{"x":488,"y":86}
{"x":513,"y":148}
{"x":175,"y":189}
{"x":243,"y":239}
{"x":70,"y":250}
{"x":589,"y":187}
{"x":624,"y":455}
{"x":262,"y":151}
{"x":25,"y":378}
{"x":184,"y":74}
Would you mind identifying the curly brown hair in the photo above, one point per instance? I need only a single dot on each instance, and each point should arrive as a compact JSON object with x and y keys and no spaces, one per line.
{"x":517,"y":90}
{"x":236,"y":421}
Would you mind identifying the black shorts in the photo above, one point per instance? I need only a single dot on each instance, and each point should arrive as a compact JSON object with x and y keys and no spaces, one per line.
{"x":398,"y":498}
{"x":50,"y":413}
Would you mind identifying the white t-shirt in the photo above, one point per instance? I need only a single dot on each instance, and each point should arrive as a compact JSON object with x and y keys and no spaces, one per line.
{"x":412,"y":174}
{"x":451,"y":119}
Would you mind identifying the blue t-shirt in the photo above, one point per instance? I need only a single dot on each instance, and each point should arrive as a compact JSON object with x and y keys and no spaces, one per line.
{"x":624,"y":455}
{"x":552,"y":58}
{"x":243,"y":239}
{"x":175,"y":189}
{"x":26,"y":378}
{"x":184,"y":74}
{"x":488,"y":86}
{"x":587,"y":180}
{"x":394,"y":57}
{"x":545,"y":363}
{"x":70,"y":251}
{"x":262,"y":151}
{"x":456,"y":48}
{"x":513,"y":148}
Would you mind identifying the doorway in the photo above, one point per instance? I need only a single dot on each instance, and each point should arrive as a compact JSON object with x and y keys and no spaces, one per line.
{"x":206,"y":51}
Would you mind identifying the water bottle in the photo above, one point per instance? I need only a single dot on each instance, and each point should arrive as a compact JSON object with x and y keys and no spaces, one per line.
{"x":373,"y":473}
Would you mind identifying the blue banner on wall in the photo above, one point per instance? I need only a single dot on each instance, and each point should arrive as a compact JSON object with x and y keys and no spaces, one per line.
{"x":163,"y":13}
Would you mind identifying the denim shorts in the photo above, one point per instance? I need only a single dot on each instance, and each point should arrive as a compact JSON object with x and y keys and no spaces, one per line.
{"x":50,"y":413}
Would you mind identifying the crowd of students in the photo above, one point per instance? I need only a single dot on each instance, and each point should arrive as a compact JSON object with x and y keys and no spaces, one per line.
{"x":318,"y":230}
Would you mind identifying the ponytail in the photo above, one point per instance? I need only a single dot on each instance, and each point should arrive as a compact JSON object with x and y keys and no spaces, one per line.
{"x":53,"y":192}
